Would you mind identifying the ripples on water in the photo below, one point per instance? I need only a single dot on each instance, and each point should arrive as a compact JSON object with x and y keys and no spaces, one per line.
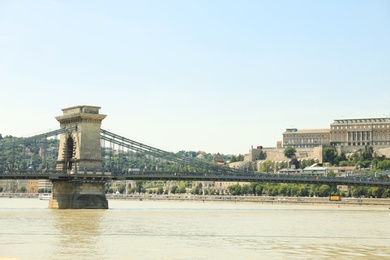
{"x":192,"y":230}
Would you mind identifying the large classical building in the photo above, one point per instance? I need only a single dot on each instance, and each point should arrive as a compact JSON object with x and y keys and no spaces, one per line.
{"x":305,"y":138}
{"x":345,"y":132}
{"x":373,"y":131}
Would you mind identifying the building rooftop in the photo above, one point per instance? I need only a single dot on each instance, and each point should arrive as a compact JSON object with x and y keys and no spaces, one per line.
{"x":362,"y":120}
{"x":309,"y":131}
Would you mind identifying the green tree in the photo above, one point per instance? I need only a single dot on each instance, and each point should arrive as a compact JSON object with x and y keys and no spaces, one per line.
{"x":197,"y":190}
{"x":181,"y":190}
{"x":283,"y":189}
{"x":324,"y":190}
{"x":252,"y":187}
{"x":246,"y":189}
{"x":259,"y":189}
{"x":363,"y":163}
{"x":302,"y":190}
{"x":383,"y":165}
{"x":359,"y":191}
{"x":290,"y":152}
{"x":139,"y":186}
{"x":160,"y":190}
{"x":356,"y":156}
{"x":379,"y":192}
{"x":342,"y":157}
{"x":313,"y":190}
{"x":174,"y":189}
{"x":282,"y":165}
{"x":121,"y":187}
{"x":343,"y":163}
{"x":270,"y":189}
{"x":293,"y":189}
{"x":331,"y":174}
{"x":367,"y":153}
{"x":267,"y":166}
{"x":238,"y":158}
{"x":235,"y":189}
{"x":329,"y":155}
{"x":305,"y":163}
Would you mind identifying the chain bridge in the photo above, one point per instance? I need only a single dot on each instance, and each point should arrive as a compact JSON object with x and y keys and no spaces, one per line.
{"x":87,"y":157}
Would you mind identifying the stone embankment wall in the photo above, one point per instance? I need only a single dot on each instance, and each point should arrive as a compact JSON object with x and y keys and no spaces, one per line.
{"x":255,"y":199}
{"x":277,"y":154}
{"x":383,"y":152}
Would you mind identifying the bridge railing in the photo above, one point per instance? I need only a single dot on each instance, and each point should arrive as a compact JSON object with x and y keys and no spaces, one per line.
{"x":31,"y":175}
{"x":101,"y":173}
{"x":248,"y":177}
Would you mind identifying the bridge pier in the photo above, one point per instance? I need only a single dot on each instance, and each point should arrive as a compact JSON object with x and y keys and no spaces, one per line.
{"x":78,"y":195}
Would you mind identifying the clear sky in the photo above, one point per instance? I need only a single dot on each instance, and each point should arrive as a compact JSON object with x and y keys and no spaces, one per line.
{"x":216,"y":76}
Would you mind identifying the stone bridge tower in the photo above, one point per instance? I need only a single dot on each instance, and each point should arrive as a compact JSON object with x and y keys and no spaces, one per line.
{"x":80,"y":149}
{"x":80,"y":155}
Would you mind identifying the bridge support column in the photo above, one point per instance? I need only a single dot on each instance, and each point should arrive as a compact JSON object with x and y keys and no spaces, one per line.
{"x":78,"y":195}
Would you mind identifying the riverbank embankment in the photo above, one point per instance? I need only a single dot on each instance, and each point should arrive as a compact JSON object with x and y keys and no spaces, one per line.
{"x":227,"y":198}
{"x":256,"y":199}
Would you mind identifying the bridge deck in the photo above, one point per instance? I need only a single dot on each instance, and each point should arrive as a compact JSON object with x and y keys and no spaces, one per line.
{"x":197,"y":176}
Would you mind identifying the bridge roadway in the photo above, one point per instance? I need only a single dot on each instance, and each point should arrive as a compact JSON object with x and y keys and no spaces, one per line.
{"x":102,"y":176}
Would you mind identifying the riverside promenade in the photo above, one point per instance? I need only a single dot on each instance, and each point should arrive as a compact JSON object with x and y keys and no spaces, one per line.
{"x":236,"y":199}
{"x":255,"y":199}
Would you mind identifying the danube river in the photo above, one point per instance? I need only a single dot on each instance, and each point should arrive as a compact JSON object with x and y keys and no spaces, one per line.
{"x":193,"y":230}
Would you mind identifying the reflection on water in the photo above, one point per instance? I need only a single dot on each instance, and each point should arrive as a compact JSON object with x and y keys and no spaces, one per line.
{"x":192,"y":230}
{"x":78,"y":232}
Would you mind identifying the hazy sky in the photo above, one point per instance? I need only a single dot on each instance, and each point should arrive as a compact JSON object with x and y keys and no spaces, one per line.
{"x":217,"y":76}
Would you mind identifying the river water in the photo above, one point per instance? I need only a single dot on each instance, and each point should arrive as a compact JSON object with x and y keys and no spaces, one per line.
{"x":192,"y":230}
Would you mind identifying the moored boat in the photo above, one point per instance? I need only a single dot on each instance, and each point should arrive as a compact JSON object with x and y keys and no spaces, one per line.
{"x":44,"y":196}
